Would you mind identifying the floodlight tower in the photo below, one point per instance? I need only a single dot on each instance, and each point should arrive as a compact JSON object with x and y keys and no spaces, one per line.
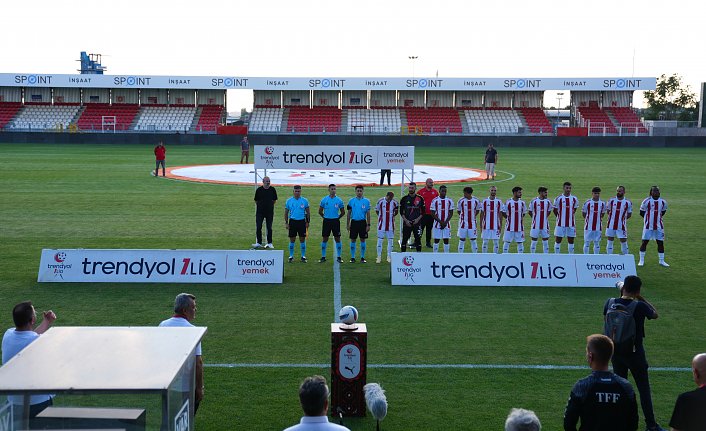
{"x":412,"y":58}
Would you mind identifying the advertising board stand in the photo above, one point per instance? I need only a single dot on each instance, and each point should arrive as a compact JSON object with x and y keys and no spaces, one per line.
{"x":349,"y":345}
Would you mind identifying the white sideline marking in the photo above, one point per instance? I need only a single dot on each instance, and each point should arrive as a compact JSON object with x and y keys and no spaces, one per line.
{"x":512,"y":177}
{"x":336,"y":289}
{"x":437,"y":366}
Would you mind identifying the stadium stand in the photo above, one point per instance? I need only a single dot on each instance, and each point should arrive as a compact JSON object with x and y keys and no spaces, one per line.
{"x":493,"y":120}
{"x":626,"y":118}
{"x":434,"y":120}
{"x":8,"y":110}
{"x":209,"y":118}
{"x":165,"y":118}
{"x":92,"y":116}
{"x":265,"y":119}
{"x":43,"y":117}
{"x":596,"y":120}
{"x":302,"y":119}
{"x":373,"y":120}
{"x":536,"y":119}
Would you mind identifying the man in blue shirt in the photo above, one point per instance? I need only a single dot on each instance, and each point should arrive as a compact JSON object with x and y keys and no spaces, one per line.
{"x":15,"y":340}
{"x":358,"y":222}
{"x":331,"y":209}
{"x":296,"y":221}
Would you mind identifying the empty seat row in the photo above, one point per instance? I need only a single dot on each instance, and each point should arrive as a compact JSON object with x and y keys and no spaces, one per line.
{"x":374,"y":121}
{"x":493,"y":121}
{"x":209,"y":118}
{"x":536,"y":119}
{"x":317,"y":119}
{"x":100,"y":116}
{"x":434,"y":120}
{"x":628,"y":120}
{"x":596,"y":120}
{"x":43,"y":117}
{"x":165,"y":118}
{"x":266,"y":120}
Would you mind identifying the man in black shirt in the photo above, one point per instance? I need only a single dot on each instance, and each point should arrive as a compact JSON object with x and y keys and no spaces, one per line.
{"x":411,"y":211}
{"x":689,"y":410}
{"x":602,"y":401}
{"x":491,"y":159}
{"x":634,"y":359}
{"x":265,"y":199}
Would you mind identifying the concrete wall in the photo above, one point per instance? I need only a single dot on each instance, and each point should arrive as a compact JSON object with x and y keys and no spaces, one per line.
{"x":353,"y":140}
{"x":475,"y":141}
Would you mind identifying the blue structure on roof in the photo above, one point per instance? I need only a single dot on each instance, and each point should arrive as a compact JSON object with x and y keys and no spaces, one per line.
{"x":90,"y":64}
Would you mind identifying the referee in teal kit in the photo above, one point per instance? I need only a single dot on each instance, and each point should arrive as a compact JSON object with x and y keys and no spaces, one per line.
{"x":358,"y":222}
{"x":296,"y":221}
{"x":331,"y":209}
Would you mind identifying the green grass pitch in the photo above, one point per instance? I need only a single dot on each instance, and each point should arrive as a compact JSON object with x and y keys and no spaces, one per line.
{"x":100,"y":196}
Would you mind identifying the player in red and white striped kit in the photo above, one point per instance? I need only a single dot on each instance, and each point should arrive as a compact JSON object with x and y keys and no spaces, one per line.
{"x":468,"y":208}
{"x":593,"y":211}
{"x":540,"y":208}
{"x":619,"y":211}
{"x":386,"y":209}
{"x":442,"y":209}
{"x":490,"y":216}
{"x":514,"y":211}
{"x":565,"y":206}
{"x":652,"y":210}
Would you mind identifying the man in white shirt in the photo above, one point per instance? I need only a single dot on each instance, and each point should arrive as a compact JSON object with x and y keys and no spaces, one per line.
{"x":442,"y":209}
{"x":19,"y":337}
{"x":314,"y":396}
{"x":593,"y":211}
{"x":184,"y":314}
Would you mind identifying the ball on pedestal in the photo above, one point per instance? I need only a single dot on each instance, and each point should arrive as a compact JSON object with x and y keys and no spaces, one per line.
{"x":348,"y":315}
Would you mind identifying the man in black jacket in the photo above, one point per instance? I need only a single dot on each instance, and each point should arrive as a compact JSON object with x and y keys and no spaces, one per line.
{"x":412,"y":210}
{"x":602,"y":401}
{"x":634,"y":358}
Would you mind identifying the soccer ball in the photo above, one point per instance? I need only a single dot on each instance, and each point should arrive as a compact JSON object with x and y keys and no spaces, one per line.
{"x":619,"y":285}
{"x":348,"y":315}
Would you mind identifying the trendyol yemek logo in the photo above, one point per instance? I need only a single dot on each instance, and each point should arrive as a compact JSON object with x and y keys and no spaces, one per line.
{"x":254,"y":266}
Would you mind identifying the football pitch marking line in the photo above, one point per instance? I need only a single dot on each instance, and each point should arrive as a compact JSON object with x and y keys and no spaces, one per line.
{"x":512,"y":177}
{"x":336,"y":289}
{"x":438,"y":366}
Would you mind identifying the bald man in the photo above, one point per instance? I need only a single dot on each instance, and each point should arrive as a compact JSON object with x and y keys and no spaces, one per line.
{"x":688,"y":412}
{"x":265,"y":200}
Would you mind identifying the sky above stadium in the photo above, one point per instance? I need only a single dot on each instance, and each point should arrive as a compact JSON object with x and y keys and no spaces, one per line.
{"x":318,"y":38}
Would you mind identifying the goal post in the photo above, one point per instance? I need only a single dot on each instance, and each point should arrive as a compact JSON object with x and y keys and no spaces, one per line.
{"x":108,"y":123}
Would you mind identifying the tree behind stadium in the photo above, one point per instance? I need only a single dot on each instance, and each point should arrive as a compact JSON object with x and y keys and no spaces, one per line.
{"x":671,"y":100}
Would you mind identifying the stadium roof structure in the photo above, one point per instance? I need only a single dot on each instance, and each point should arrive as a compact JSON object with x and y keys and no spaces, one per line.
{"x":326,"y":84}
